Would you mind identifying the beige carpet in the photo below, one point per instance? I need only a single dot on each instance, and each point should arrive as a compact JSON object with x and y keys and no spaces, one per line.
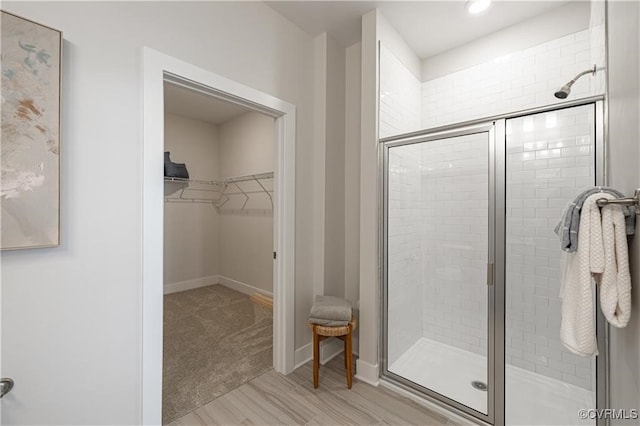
{"x":215,"y":340}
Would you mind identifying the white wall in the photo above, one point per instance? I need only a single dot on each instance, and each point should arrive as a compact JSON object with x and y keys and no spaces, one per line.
{"x":232,"y":245}
{"x":334,"y":207}
{"x":246,"y":145}
{"x":567,"y":19}
{"x":624,"y":174}
{"x":369,"y":291}
{"x":72,"y":315}
{"x":329,"y":166}
{"x":246,"y":237}
{"x":352,"y":172}
{"x":400,"y":96}
{"x":320,"y":47}
{"x":191,"y":230}
{"x":393,"y":41}
{"x":400,"y":70}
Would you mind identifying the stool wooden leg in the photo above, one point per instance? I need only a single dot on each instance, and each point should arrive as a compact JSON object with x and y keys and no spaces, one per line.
{"x":316,"y":357}
{"x":344,"y":340}
{"x":349,"y":359}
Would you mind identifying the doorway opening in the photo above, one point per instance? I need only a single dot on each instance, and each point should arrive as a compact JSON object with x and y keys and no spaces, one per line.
{"x":160,"y":70}
{"x":218,"y":248}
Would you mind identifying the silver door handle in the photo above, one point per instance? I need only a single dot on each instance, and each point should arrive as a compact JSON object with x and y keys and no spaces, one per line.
{"x":6,"y":384}
{"x":490,"y":276}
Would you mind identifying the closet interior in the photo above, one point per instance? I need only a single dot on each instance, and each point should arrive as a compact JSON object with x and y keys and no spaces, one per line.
{"x":218,"y":248}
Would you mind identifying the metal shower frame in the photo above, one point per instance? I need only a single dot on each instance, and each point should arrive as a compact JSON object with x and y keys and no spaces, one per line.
{"x":495,"y":125}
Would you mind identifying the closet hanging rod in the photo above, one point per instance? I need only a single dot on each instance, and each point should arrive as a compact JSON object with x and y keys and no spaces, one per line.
{"x":190,"y":200}
{"x":268,"y":175}
{"x":184,"y":180}
{"x":247,"y":192}
{"x":626,"y":201}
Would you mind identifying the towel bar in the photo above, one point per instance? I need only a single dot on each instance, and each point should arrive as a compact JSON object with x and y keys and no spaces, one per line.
{"x":626,"y":201}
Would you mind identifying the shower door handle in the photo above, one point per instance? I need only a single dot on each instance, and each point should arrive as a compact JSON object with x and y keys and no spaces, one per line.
{"x":489,"y":274}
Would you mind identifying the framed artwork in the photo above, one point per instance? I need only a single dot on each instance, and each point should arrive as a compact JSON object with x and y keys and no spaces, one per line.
{"x":30,"y":140}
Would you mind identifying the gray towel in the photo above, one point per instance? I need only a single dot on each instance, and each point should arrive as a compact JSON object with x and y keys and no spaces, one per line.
{"x":568,"y":227}
{"x":330,"y":310}
{"x":328,"y":323}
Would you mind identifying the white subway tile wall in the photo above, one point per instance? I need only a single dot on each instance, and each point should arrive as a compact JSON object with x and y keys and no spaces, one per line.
{"x":404,"y":271}
{"x":437,"y":244}
{"x":400,"y":97}
{"x":550,"y":159}
{"x":454,"y":238}
{"x":517,"y":81}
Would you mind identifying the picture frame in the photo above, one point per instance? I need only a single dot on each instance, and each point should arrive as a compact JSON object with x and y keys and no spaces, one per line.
{"x":30,"y":139}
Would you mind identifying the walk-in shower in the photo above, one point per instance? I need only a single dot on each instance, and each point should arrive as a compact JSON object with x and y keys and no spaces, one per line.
{"x":472,"y":267}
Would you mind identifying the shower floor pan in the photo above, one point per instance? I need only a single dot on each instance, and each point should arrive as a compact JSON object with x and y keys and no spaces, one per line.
{"x":531,"y":399}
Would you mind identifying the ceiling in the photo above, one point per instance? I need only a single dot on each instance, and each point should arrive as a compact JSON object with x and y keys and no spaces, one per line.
{"x":428,"y":27}
{"x":189,"y":103}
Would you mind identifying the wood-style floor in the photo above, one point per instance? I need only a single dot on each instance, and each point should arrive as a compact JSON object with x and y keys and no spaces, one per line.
{"x":274,"y":399}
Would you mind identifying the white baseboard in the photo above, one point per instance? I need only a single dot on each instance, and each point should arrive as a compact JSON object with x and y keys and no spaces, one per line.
{"x":241,"y":287}
{"x":303,"y":355}
{"x":367,"y":373}
{"x":190,"y":284}
{"x":329,"y":349}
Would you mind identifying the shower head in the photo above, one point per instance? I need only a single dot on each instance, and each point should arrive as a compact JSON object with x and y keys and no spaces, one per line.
{"x":564,"y":91}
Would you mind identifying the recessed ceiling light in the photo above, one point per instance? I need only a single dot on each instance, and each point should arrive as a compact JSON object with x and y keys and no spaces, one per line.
{"x":476,"y":6}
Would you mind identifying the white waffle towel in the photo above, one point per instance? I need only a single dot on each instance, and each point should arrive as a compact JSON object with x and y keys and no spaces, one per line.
{"x":615,"y":281}
{"x":578,"y":328}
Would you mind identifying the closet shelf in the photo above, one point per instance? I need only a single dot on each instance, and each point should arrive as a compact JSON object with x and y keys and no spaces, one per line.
{"x":183,"y":180}
{"x":216,"y":192}
{"x":256,"y":177}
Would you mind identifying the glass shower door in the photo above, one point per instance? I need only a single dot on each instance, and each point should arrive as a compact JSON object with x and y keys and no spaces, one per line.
{"x":438,"y":201}
{"x":551,"y":157}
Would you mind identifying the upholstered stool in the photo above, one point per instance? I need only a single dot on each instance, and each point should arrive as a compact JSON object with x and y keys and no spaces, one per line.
{"x":342,"y":332}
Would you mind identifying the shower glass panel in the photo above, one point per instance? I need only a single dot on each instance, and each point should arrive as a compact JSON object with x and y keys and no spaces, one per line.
{"x":550,"y":159}
{"x":438,"y":246}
